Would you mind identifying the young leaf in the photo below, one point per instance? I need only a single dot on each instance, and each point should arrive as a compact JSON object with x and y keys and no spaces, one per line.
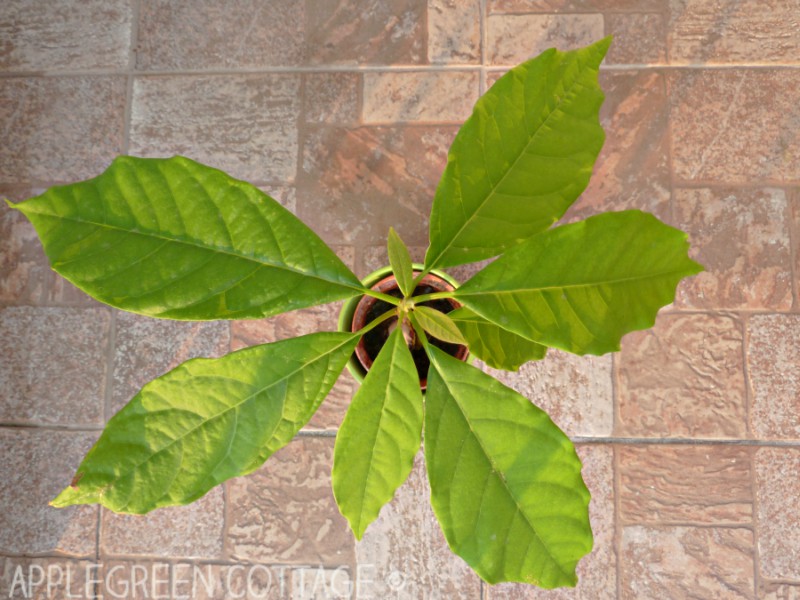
{"x":494,"y":345}
{"x":400,"y":261}
{"x":521,"y":159}
{"x":206,"y":421}
{"x":439,"y":325}
{"x":506,"y":483}
{"x":380,"y":435}
{"x":175,"y":239}
{"x":581,"y":287}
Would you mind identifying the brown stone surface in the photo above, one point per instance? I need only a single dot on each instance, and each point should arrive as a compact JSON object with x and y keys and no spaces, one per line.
{"x":639,"y":38}
{"x":454,"y":31}
{"x":52,"y":36}
{"x":37,"y":464}
{"x":53,"y":365}
{"x":683,"y":378}
{"x":556,"y":6}
{"x":48,"y":578}
{"x":702,"y":485}
{"x":24,"y":269}
{"x":773,"y":354}
{"x":331,"y":98}
{"x":60,"y":128}
{"x":243,"y":124}
{"x":779,"y":591}
{"x":207,"y":35}
{"x":285,"y":512}
{"x":778,"y":490}
{"x":136,"y":580}
{"x":735,"y":126}
{"x":741,"y":237}
{"x":686,"y":562}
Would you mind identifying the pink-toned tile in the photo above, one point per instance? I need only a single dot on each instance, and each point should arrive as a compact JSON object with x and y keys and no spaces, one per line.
{"x":37,"y":465}
{"x":454,"y":32}
{"x":639,"y":38}
{"x":778,"y":492}
{"x":210,"y":581}
{"x":741,"y":236}
{"x":683,"y":378}
{"x":703,"y":485}
{"x":512,"y":38}
{"x":48,"y":578}
{"x":366,"y":31}
{"x":317,"y":583}
{"x":60,"y":128}
{"x":779,"y":591}
{"x":686,"y":562}
{"x":417,"y":96}
{"x":92,"y":34}
{"x":243,"y":124}
{"x":53,"y":366}
{"x":23,"y":264}
{"x":285,"y":511}
{"x":331,"y":98}
{"x":773,"y":354}
{"x":285,"y":195}
{"x":376,"y":257}
{"x":735,"y":125}
{"x":134,"y":580}
{"x":556,"y":6}
{"x":597,"y":579}
{"x":212,"y":35}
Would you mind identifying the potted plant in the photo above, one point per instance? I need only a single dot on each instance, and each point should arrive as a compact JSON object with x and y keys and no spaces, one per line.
{"x":173,"y":239}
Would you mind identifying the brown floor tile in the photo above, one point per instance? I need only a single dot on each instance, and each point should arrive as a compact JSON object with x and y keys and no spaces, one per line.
{"x":686,"y":562}
{"x":215,"y":35}
{"x":47,"y":578}
{"x":454,"y":32}
{"x":773,"y":354}
{"x":53,"y":365}
{"x":683,"y":378}
{"x":37,"y":465}
{"x":24,"y":269}
{"x":703,"y":485}
{"x":556,"y":6}
{"x":778,"y":489}
{"x":741,"y":237}
{"x":779,"y":591}
{"x":139,"y":580}
{"x":243,"y":124}
{"x":51,"y":36}
{"x":60,"y":128}
{"x":639,"y":38}
{"x":331,"y":98}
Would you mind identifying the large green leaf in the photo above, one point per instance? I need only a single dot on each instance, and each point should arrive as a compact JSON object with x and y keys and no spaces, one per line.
{"x":439,"y":325}
{"x":497,"y":347}
{"x":379,"y":436}
{"x":175,"y":239}
{"x":400,"y":261}
{"x":505,"y":481}
{"x":206,"y":421}
{"x":521,"y":159}
{"x":581,"y":287}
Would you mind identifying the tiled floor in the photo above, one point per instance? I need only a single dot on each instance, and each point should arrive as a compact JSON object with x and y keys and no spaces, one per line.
{"x":344,"y":111}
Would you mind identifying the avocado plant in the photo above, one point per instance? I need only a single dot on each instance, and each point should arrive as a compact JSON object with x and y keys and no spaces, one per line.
{"x":173,"y":239}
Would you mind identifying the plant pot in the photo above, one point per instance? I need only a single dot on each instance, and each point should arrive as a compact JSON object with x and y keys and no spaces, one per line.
{"x":360,"y":311}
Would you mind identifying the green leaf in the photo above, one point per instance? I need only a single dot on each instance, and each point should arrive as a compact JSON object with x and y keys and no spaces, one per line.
{"x":379,"y":436}
{"x":494,"y":345}
{"x":581,"y":287}
{"x":175,"y":239}
{"x":206,"y":421}
{"x":521,"y":159}
{"x":439,"y":325}
{"x":506,"y":483}
{"x":400,"y":261}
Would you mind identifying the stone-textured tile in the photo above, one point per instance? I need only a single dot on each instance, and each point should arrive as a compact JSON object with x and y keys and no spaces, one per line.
{"x":37,"y":465}
{"x":356,"y":183}
{"x":574,"y":390}
{"x":138,"y":580}
{"x":735,"y":126}
{"x":47,"y":578}
{"x":60,"y":128}
{"x":741,"y":237}
{"x":686,"y":562}
{"x":214,"y":35}
{"x":733,"y":32}
{"x":148,"y":348}
{"x":794,"y":224}
{"x":37,"y":36}
{"x":243,"y":124}
{"x":778,"y":490}
{"x":194,"y":531}
{"x":512,"y":39}
{"x":403,"y":553}
{"x":376,"y":257}
{"x":704,"y":485}
{"x":53,"y":366}
{"x":555,"y":6}
{"x":366,"y":31}
{"x":597,"y":571}
{"x":285,"y":195}
{"x":321,"y":584}
{"x":683,"y":378}
{"x":639,"y":38}
{"x":285,"y":512}
{"x":208,"y":581}
{"x":779,"y":591}
{"x":454,"y":33}
{"x":331,"y":98}
{"x":773,"y":354}
{"x":409,"y":96}
{"x":24,"y":269}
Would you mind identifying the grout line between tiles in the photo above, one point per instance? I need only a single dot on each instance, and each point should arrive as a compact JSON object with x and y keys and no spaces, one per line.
{"x":756,"y":555}
{"x":743,"y":442}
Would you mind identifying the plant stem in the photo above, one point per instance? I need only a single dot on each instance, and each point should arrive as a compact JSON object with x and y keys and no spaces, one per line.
{"x":372,"y":324}
{"x":381,"y":296}
{"x":420,"y":332}
{"x":433,"y":296}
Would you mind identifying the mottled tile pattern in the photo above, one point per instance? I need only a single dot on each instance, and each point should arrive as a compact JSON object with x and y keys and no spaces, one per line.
{"x":779,"y":591}
{"x":47,"y":578}
{"x":331,"y":98}
{"x":23,"y":264}
{"x":558,"y":6}
{"x":638,"y":38}
{"x":778,"y":512}
{"x":454,"y":31}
